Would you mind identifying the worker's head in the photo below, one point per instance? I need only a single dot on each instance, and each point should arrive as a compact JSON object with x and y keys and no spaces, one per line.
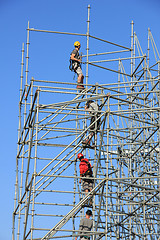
{"x":77,"y":44}
{"x":89,"y":212}
{"x":88,"y":103}
{"x":80,"y":156}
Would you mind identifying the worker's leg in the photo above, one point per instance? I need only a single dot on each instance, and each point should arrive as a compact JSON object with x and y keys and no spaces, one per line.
{"x":88,"y":140}
{"x":90,"y":136}
{"x":80,"y":78}
{"x":90,"y":200}
{"x":86,"y":191}
{"x":90,"y":189}
{"x":85,"y":186}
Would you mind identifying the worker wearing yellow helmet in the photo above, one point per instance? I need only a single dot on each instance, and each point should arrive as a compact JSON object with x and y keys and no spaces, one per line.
{"x":77,"y":44}
{"x":75,"y":64}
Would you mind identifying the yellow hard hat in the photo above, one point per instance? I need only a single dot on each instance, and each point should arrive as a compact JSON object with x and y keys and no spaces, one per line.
{"x":77,"y":44}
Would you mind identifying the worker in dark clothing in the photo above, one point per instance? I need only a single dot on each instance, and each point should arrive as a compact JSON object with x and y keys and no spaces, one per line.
{"x":76,"y":64}
{"x":93,"y":109}
{"x":86,"y":224}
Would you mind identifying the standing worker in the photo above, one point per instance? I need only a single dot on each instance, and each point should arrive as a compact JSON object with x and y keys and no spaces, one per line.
{"x":85,"y":171}
{"x":93,"y":109}
{"x":75,"y":64}
{"x":86,"y":224}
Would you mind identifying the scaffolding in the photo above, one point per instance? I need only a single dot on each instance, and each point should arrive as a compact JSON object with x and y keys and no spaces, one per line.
{"x":49,"y":201}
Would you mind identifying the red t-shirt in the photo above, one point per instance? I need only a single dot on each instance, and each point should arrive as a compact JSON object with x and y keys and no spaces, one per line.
{"x":83,"y":167}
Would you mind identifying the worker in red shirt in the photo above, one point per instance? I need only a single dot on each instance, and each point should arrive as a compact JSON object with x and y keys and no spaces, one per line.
{"x":85,"y":171}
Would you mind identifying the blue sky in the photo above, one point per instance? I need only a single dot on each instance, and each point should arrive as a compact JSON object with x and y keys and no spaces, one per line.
{"x":110,"y":20}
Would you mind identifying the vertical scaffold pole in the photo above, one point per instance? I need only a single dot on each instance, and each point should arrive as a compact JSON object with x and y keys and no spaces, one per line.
{"x":29,"y":184}
{"x":19,"y":131}
{"x":25,"y":114}
{"x":148,"y":49}
{"x":131,"y":123}
{"x":22,"y":65}
{"x":88,"y":22}
{"x":107,"y":164}
{"x":118,"y":156}
{"x":144,"y":160}
{"x":35,"y":162}
{"x":95,"y":160}
{"x":25,"y":106}
{"x":75,"y":175}
{"x":27,"y":59}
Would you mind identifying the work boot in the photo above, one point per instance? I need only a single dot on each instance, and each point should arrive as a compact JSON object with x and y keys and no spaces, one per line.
{"x":81,"y":87}
{"x":86,"y":142}
{"x":90,"y":202}
{"x":93,"y":145}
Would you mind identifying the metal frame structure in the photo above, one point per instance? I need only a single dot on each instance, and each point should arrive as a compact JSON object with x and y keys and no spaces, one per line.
{"x":49,"y":201}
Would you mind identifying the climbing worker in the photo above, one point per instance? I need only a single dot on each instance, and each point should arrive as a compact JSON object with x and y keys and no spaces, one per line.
{"x":93,"y":109}
{"x":85,"y":226}
{"x":85,"y":171}
{"x":75,"y":64}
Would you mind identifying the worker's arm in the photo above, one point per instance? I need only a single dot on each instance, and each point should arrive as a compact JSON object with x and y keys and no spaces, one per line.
{"x":80,"y":178}
{"x":85,"y":107}
{"x":80,"y":227}
{"x":75,"y":59}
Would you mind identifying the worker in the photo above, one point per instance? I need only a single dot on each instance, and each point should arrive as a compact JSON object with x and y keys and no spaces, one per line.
{"x":85,"y":226}
{"x":85,"y":171}
{"x":75,"y":60}
{"x":93,"y":109}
